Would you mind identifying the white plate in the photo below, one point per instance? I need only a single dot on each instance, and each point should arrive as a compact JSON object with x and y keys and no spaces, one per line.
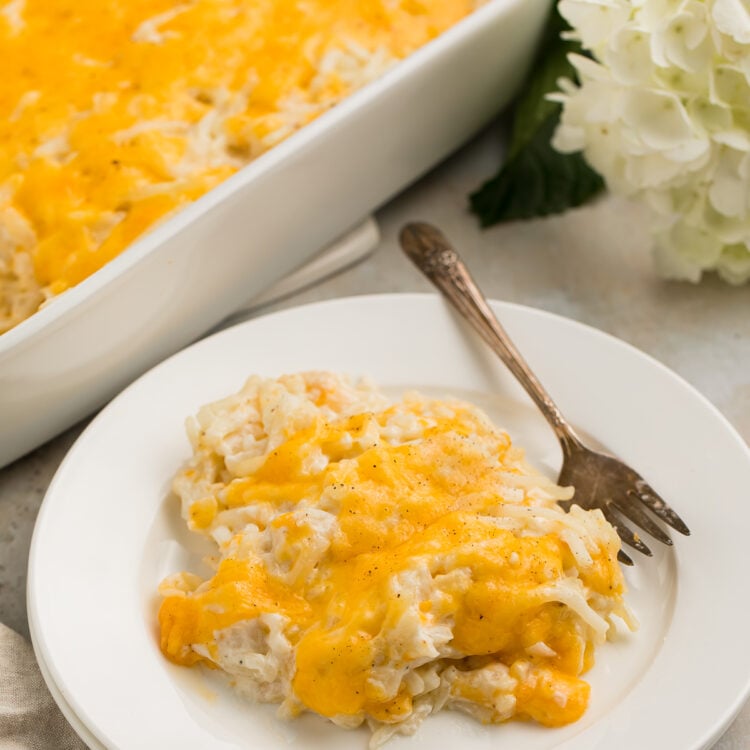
{"x":108,"y":531}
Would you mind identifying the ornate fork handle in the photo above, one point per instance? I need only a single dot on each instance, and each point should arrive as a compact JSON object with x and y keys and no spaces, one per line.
{"x":435,"y":257}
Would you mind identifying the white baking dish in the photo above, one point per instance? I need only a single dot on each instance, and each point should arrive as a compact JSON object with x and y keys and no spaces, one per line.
{"x":179,"y":280}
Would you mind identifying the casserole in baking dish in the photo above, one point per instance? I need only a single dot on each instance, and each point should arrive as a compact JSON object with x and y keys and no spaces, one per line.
{"x":141,"y":106}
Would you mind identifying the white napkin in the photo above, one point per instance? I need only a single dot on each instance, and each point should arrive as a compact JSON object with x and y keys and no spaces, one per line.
{"x":29,"y":717}
{"x":342,"y":253}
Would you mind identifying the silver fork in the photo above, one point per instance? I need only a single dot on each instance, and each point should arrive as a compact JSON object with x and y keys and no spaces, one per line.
{"x":600,"y":481}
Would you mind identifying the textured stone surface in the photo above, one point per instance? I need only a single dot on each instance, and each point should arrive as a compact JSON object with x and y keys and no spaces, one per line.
{"x":592,"y":265}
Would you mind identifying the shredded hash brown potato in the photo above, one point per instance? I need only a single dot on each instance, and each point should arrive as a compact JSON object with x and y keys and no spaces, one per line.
{"x":115,"y":115}
{"x":377,"y":562}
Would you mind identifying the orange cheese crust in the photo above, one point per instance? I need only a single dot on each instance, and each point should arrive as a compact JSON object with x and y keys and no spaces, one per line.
{"x":434,"y":501}
{"x":114,"y":115}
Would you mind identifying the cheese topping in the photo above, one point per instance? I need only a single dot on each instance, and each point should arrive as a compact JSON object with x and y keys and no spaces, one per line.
{"x":115,"y":115}
{"x":378,"y":559}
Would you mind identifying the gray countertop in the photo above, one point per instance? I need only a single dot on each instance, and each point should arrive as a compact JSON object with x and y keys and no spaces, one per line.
{"x":592,"y":265}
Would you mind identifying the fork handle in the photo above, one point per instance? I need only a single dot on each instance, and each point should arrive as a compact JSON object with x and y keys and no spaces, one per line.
{"x":438,"y":260}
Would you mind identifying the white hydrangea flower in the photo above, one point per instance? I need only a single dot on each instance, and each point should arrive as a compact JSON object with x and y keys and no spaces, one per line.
{"x":662,"y":112}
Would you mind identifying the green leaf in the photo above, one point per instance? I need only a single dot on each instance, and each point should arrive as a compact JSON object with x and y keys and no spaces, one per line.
{"x":536,"y":180}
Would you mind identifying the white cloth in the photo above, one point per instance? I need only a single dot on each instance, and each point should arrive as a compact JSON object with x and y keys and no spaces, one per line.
{"x":29,"y":717}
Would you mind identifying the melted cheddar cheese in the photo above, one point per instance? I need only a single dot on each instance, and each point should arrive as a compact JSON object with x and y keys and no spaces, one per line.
{"x":114,"y":115}
{"x":374,"y":558}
